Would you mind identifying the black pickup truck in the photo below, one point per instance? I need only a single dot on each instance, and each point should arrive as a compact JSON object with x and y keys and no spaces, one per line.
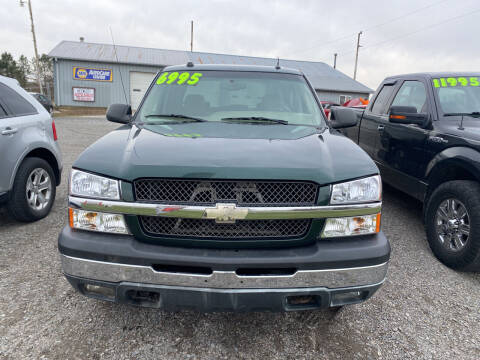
{"x":423,"y":132}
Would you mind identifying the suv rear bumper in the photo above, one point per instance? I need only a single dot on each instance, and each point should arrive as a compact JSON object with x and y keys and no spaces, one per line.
{"x":122,"y":269}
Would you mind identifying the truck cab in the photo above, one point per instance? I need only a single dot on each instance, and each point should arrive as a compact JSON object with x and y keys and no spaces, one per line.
{"x":422,"y":132}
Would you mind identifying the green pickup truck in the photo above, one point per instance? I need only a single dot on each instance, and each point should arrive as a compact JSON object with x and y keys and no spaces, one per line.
{"x":226,"y":191}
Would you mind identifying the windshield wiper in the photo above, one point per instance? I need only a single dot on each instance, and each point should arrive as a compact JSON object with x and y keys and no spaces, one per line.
{"x":177,"y":116}
{"x":254,"y":119}
{"x":474,"y":114}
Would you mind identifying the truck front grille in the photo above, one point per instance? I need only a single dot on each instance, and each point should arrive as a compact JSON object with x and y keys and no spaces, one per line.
{"x":241,"y":229}
{"x":245,"y":193}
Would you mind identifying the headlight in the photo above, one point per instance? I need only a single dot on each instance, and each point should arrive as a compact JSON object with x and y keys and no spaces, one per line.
{"x":97,"y":221}
{"x":348,"y":226}
{"x":357,"y":191}
{"x":90,"y":185}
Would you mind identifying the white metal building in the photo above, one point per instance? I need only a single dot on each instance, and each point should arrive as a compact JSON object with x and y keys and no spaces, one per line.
{"x":87,"y":74}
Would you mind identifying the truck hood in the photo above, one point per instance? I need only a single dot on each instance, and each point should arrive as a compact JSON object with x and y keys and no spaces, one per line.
{"x":129,"y":153}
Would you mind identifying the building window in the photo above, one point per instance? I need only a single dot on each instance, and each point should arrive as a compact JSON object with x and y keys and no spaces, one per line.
{"x":344,"y":98}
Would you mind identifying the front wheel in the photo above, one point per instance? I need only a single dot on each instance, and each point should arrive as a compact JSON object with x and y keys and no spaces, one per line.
{"x":33,"y":190}
{"x":453,"y":224}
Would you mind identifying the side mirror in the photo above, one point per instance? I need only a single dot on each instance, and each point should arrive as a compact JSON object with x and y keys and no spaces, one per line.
{"x":119,"y":113}
{"x":341,"y":117}
{"x":407,"y":115}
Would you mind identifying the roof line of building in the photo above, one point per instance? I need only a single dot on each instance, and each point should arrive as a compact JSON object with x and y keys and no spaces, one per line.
{"x":185,"y":51}
{"x":319,"y":73}
{"x":345,"y":90}
{"x":110,"y":62}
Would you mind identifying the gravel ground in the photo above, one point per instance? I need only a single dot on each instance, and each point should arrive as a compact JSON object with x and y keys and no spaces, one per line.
{"x":424,"y":310}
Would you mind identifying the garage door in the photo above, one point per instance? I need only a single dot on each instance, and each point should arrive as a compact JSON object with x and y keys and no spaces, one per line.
{"x":139,"y":83}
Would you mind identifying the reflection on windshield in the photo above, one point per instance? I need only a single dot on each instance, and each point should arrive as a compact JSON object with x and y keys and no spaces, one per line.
{"x":256,"y":119}
{"x":234,"y":94}
{"x":459,"y":99}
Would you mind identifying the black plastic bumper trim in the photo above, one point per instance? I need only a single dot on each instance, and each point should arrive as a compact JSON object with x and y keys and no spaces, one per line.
{"x":173,"y":298}
{"x":324,"y":254}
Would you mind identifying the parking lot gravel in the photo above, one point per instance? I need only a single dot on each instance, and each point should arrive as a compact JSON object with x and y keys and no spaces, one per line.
{"x":424,"y":311}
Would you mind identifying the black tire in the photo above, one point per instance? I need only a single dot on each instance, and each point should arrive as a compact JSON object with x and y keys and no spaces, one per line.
{"x":18,"y":205}
{"x":466,"y":258}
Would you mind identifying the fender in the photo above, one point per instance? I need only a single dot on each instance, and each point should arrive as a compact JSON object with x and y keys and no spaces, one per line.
{"x":460,"y":156}
{"x":38,"y":145}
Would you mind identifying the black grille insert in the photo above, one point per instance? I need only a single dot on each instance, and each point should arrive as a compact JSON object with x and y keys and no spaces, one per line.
{"x":181,"y":269}
{"x":242,"y":229}
{"x":245,"y":193}
{"x":266,"y":271}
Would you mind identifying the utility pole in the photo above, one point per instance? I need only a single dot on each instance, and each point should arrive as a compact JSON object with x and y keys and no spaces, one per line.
{"x":335,"y":60}
{"x":37,"y":61}
{"x":191,"y":37}
{"x":356,"y":56}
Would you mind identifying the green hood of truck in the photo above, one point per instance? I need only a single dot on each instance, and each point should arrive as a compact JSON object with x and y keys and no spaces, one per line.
{"x":227,"y":151}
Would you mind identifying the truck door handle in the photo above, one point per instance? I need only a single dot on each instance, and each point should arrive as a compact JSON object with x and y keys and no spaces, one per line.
{"x":438,"y":140}
{"x":9,"y":131}
{"x":381,"y":127}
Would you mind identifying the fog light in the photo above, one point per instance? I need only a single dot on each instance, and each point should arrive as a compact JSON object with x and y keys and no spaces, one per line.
{"x":97,"y":221}
{"x":99,"y":290}
{"x":350,"y":297}
{"x":348,"y":226}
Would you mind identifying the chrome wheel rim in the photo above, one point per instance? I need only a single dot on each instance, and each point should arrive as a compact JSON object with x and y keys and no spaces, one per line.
{"x":39,"y":189}
{"x":452,"y":224}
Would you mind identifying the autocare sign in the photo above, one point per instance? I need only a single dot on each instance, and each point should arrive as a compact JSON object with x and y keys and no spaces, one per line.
{"x":82,"y":73}
{"x":83,"y":94}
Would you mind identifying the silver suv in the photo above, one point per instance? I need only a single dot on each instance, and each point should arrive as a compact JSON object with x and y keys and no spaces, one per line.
{"x":30,"y":158}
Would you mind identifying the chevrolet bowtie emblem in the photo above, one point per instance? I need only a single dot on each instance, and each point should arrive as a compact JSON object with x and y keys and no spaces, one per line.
{"x":226,"y":213}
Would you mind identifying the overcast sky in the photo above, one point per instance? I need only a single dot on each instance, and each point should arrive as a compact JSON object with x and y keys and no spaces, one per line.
{"x":399,"y":36}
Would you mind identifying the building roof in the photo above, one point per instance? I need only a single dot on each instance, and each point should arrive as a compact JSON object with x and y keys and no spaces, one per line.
{"x":321,"y":75}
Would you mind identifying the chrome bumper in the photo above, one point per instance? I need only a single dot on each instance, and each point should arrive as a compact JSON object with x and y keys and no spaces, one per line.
{"x":226,"y":212}
{"x":328,"y":278}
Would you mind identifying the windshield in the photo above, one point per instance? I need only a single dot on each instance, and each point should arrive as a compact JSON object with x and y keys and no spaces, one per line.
{"x":231,"y":96}
{"x":458,"y":95}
